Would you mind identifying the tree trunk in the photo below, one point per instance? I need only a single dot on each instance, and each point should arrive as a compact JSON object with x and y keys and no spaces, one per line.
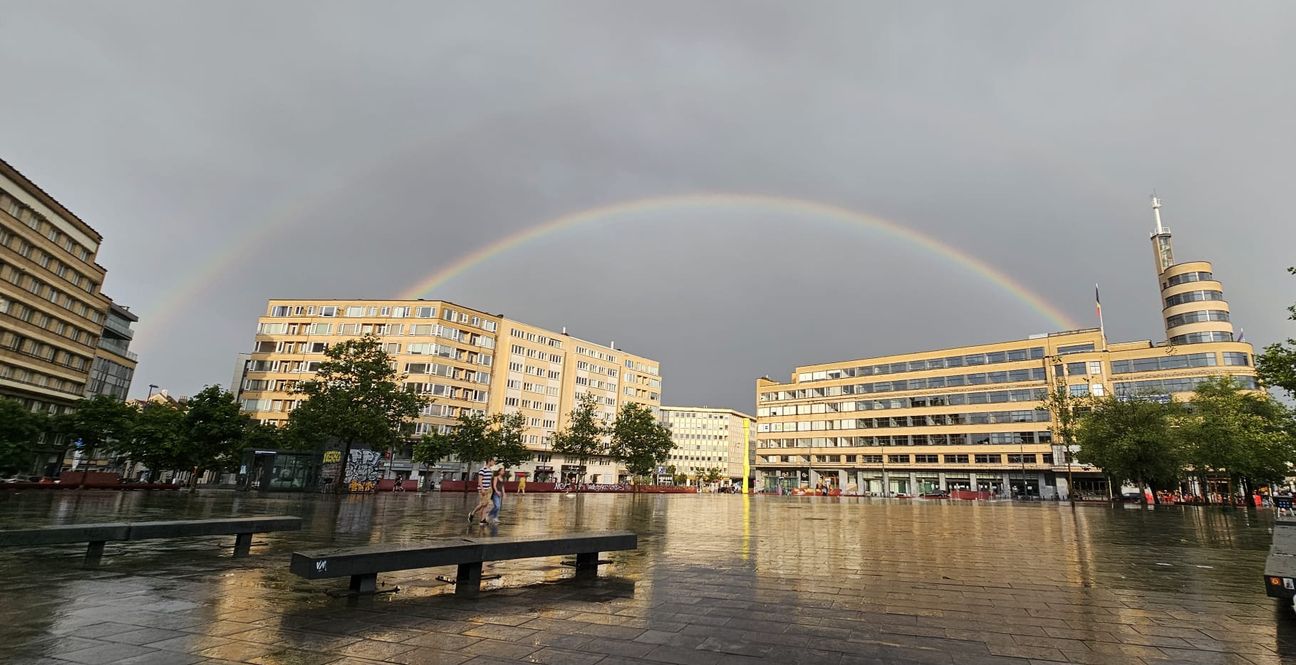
{"x":346,"y":459}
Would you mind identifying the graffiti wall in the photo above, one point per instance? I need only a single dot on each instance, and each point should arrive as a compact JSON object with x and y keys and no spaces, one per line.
{"x":363,"y":469}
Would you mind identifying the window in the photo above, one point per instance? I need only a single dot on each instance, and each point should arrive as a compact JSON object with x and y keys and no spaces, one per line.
{"x":425,"y":312}
{"x":1187,"y":277}
{"x":328,"y":310}
{"x":871,"y":459}
{"x":354,"y":312}
{"x":1202,"y":337}
{"x":320,"y":329}
{"x":988,"y":459}
{"x":279,"y":310}
{"x":1079,"y":390}
{"x":926,"y":459}
{"x":1200,"y":316}
{"x":1014,"y":458}
{"x":956,"y":459}
{"x":1230,"y":357}
{"x":1074,"y":348}
{"x":1193,"y":296}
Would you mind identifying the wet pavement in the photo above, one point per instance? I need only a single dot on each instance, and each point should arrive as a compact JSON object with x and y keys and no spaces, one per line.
{"x":716,"y":579}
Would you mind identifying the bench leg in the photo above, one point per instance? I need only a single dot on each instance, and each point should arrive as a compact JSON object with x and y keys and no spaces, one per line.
{"x":94,"y":553}
{"x":587,"y":564}
{"x":242,"y":544}
{"x":468,"y":583}
{"x":364,"y":583}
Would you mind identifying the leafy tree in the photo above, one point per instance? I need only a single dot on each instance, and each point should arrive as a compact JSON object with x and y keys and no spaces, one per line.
{"x":469,"y":441}
{"x":355,"y":397}
{"x":262,"y":436}
{"x":214,"y":431}
{"x":1244,"y":435}
{"x":1277,"y":365}
{"x":506,"y":439}
{"x":1065,"y":411}
{"x":20,"y":429}
{"x":583,"y":437}
{"x":639,"y":440}
{"x":1132,"y":440}
{"x":157,"y":439}
{"x":711,"y":475}
{"x":430,"y":449}
{"x":97,"y":421}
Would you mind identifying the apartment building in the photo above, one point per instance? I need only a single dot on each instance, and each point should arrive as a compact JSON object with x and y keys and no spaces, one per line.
{"x":972,"y":417}
{"x":113,"y":368}
{"x":708,"y":438}
{"x":464,"y":359}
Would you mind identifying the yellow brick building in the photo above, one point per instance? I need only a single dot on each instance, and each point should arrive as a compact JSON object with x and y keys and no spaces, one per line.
{"x":464,"y":359}
{"x":971,"y":417}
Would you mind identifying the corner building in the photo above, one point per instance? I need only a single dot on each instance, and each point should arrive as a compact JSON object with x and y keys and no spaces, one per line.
{"x":464,"y":359}
{"x":972,"y":417}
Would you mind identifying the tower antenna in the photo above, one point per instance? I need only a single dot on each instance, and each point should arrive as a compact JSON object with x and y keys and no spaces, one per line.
{"x":1156,"y":212}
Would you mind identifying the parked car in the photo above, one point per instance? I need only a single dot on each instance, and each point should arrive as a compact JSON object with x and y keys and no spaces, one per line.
{"x":936,"y":494}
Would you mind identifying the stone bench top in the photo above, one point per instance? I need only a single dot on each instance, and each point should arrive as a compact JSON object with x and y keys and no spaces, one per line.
{"x":371,"y":559}
{"x":79,"y":533}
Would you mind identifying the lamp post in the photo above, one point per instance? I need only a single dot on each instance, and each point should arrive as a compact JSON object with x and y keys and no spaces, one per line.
{"x":152,"y":387}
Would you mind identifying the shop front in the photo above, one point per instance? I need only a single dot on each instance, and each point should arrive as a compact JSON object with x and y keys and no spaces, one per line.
{"x":280,"y":470}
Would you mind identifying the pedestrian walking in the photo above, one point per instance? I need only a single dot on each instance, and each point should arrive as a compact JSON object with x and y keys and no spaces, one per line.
{"x":485,"y":485}
{"x":497,"y":495}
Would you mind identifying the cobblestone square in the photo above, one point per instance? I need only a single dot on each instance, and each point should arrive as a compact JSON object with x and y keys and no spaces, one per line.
{"x":716,"y":579}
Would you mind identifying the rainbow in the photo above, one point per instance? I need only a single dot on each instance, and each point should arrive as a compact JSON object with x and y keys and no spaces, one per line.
{"x":619,"y":212}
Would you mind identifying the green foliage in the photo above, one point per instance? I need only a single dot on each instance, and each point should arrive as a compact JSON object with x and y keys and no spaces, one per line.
{"x":1238,"y":433}
{"x":1277,"y":365}
{"x":506,"y":439}
{"x":639,"y":440}
{"x":1133,"y":440}
{"x":711,"y":475}
{"x":261,"y":436}
{"x":214,"y":431}
{"x":20,"y":430}
{"x":583,"y":437}
{"x":1066,"y":411}
{"x":97,"y":421}
{"x":355,"y":397}
{"x":157,"y":439}
{"x":431,"y":448}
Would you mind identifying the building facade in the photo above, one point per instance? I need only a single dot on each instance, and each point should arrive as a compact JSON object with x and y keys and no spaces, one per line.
{"x":464,"y":360}
{"x":707,"y":438}
{"x":972,"y":417}
{"x":114,"y":362}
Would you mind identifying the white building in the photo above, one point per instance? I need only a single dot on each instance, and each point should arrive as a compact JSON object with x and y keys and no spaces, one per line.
{"x":707,"y":438}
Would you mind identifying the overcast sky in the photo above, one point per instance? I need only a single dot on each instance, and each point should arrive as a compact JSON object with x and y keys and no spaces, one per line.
{"x":310,"y":149}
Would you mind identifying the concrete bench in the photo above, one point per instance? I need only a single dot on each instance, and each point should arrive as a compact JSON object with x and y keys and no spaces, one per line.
{"x":97,"y":535}
{"x":362,"y":564}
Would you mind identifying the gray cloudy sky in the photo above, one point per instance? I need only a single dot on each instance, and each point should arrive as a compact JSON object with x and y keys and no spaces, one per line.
{"x":234,"y":151}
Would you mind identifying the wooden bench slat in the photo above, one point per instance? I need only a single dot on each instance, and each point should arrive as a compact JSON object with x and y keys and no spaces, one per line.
{"x":62,"y":534}
{"x":219,"y":527}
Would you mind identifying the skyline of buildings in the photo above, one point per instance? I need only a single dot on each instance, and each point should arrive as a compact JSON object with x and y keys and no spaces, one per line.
{"x":709,"y":438}
{"x":462,"y":358}
{"x":971,"y":417}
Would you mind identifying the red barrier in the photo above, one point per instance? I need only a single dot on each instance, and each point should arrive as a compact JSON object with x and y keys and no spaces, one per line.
{"x":546,"y":488}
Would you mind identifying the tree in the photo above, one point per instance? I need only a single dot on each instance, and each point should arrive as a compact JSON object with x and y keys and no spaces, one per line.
{"x":355,"y":397}
{"x":1065,"y":411}
{"x":157,"y":438}
{"x":469,"y":441}
{"x":430,"y":449}
{"x":506,"y":439}
{"x":711,"y":475}
{"x":262,"y":436}
{"x":1244,"y":435}
{"x":583,"y":437}
{"x":20,"y":429}
{"x":1132,"y":440}
{"x":1277,"y":365}
{"x":214,"y":432}
{"x":639,"y":440}
{"x":96,"y":421}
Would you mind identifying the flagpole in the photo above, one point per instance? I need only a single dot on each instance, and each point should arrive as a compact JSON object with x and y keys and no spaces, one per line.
{"x":1102,"y":329}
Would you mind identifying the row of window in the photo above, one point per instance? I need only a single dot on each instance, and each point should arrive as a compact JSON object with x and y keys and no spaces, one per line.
{"x":955,"y":399}
{"x":642,"y":367}
{"x":535,"y":354}
{"x":1162,"y":363}
{"x":1193,"y":296}
{"x":448,"y":371}
{"x":441,"y":390}
{"x":597,"y":369}
{"x":387,"y":312}
{"x":379,"y":329}
{"x":976,"y":439}
{"x":1202,"y":337}
{"x":45,"y":291}
{"x":537,"y":405}
{"x":930,"y":420}
{"x":109,"y":378}
{"x":42,"y":351}
{"x":40,"y":379}
{"x":982,"y":378}
{"x":1200,"y":276}
{"x":38,"y":223}
{"x":1167,"y":386}
{"x":1199,"y":316}
{"x":536,"y":338}
{"x":40,"y":319}
{"x":992,"y":458}
{"x":967,"y":360}
{"x":45,"y":260}
{"x":595,"y":353}
{"x":532,"y":370}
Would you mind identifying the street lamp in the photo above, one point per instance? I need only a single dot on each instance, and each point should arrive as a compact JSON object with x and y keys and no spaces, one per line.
{"x":152,"y":387}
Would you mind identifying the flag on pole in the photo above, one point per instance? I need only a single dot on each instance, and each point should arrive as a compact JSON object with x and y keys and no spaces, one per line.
{"x":1098,"y":309}
{"x":1241,"y":335}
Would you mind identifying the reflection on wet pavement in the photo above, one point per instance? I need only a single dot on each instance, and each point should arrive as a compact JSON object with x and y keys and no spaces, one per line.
{"x":716,"y":578}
